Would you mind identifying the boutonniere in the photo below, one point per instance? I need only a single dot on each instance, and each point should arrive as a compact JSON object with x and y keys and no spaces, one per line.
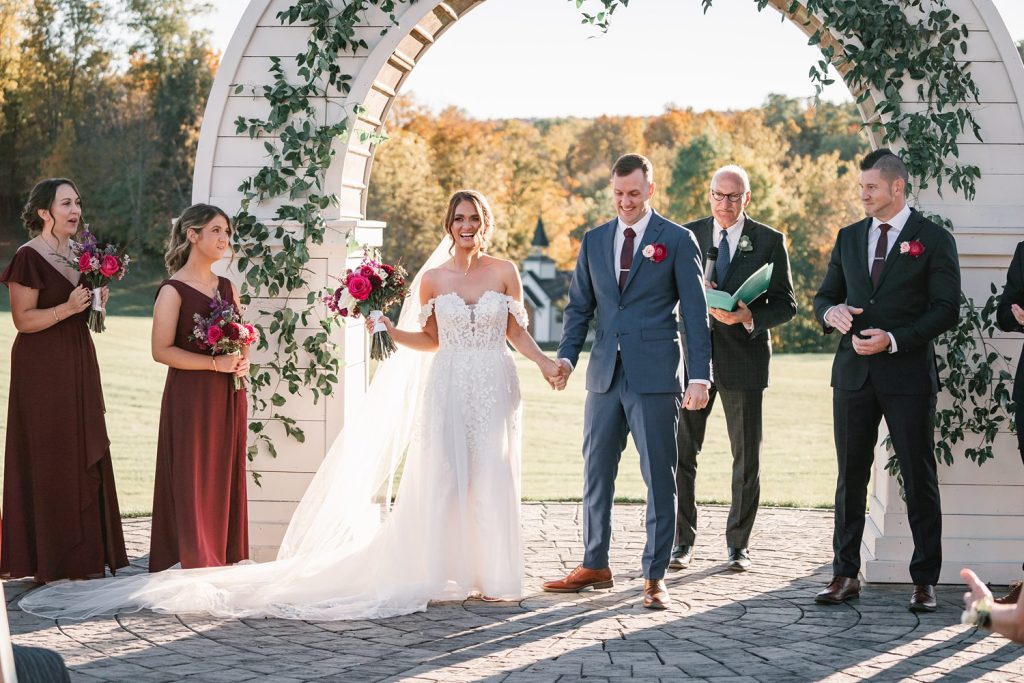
{"x":745,"y":244}
{"x":913,"y":247}
{"x":655,"y":252}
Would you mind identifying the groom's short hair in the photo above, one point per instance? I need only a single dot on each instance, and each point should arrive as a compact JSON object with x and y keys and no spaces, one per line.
{"x":628,"y":163}
{"x":887,"y":163}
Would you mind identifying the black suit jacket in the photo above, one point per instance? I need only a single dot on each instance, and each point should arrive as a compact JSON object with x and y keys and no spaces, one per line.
{"x":917,"y":299}
{"x":1013,"y":293}
{"x":740,"y":358}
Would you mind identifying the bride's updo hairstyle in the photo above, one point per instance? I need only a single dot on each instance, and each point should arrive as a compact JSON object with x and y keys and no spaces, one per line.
{"x":195,"y":218}
{"x":482,"y":207}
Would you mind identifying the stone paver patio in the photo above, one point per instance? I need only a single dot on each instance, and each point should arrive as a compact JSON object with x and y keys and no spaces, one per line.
{"x":762,"y":625}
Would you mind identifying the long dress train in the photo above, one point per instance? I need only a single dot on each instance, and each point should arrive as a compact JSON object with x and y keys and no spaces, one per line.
{"x":454,"y":529}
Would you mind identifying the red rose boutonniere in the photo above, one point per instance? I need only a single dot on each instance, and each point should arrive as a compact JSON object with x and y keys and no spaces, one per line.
{"x":655,"y":252}
{"x":913,"y":247}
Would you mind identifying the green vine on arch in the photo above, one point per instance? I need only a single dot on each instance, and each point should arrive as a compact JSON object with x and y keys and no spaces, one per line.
{"x":878,"y":50}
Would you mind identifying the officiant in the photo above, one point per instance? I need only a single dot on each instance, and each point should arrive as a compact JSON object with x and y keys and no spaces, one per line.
{"x":733,"y":247}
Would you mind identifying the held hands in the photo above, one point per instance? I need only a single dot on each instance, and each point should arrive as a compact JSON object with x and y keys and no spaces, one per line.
{"x":840,"y":317}
{"x":871,"y":341}
{"x":79,"y":300}
{"x":696,"y":396}
{"x":741,"y":315}
{"x":556,"y":372}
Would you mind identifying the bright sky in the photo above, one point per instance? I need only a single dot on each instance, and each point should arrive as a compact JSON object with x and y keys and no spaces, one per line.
{"x":532,"y":58}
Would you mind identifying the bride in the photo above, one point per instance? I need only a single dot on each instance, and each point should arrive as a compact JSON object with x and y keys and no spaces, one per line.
{"x":451,"y":401}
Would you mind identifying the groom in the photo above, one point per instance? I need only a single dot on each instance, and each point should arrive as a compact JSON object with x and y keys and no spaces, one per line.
{"x":631,"y":274}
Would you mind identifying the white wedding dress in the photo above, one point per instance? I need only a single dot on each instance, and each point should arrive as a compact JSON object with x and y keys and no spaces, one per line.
{"x":453,"y":532}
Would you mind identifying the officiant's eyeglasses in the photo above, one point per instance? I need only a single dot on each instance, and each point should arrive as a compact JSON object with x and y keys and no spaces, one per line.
{"x":733,"y":198}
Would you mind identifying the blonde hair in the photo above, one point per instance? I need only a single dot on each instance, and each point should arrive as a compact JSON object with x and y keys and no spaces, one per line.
{"x":482,"y":207}
{"x":195,"y":217}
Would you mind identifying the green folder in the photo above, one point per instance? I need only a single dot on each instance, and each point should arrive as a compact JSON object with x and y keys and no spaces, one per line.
{"x":755,"y":286}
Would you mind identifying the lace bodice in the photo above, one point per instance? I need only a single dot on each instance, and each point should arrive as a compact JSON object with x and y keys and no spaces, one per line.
{"x":473,"y":327}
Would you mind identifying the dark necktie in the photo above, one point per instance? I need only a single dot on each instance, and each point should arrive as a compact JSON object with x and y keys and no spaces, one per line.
{"x":626,"y":257}
{"x":881,"y":249}
{"x":722,"y":264}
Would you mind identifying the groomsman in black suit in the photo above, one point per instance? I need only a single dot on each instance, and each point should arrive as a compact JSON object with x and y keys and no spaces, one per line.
{"x":892,"y":286}
{"x":1010,"y":316}
{"x":741,"y":352}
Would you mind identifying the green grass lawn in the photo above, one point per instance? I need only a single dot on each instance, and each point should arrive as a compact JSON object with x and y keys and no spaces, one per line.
{"x":798,"y":463}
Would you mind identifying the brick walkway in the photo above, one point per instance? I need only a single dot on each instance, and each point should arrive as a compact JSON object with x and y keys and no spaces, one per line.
{"x":761,"y":625}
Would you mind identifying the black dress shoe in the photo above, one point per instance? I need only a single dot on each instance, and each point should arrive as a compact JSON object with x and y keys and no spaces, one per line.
{"x":923,"y":599}
{"x":739,"y":559}
{"x":681,"y":557}
{"x":839,"y":591}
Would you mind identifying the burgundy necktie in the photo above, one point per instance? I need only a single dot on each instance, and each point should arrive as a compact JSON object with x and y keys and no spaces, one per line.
{"x":881,"y":249}
{"x":626,"y":257}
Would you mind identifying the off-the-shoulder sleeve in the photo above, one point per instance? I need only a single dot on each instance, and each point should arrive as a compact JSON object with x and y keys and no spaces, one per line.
{"x":518,"y":311}
{"x":25,"y":269}
{"x":426,"y":312}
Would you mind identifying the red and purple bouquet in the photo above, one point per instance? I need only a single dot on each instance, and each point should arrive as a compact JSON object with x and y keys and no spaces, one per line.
{"x":369,"y":290}
{"x":223,"y":332}
{"x":99,"y":263}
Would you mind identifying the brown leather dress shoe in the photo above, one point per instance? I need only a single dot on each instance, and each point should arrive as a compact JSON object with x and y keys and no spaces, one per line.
{"x":656,"y":594}
{"x":841,"y":589}
{"x":1013,"y":597}
{"x":923,"y":599}
{"x":581,"y":578}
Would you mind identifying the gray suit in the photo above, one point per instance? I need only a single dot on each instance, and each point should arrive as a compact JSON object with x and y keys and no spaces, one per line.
{"x":741,"y":361}
{"x":636,"y":374}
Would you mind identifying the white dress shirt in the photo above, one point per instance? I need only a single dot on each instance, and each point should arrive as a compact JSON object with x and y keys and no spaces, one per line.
{"x":733,"y":233}
{"x":620,"y":237}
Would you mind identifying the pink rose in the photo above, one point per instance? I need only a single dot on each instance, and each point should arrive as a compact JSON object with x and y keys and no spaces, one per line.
{"x":648,"y":251}
{"x":109,"y":266}
{"x":213,"y":335}
{"x":359,"y":287}
{"x":84,"y":263}
{"x":252,"y":334}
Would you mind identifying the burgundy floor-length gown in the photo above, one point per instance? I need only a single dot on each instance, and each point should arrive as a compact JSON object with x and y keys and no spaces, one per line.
{"x":199,"y":503}
{"x":60,"y":513}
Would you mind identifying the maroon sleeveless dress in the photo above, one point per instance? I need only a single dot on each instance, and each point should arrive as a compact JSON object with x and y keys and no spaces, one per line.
{"x":199,"y":503}
{"x":60,"y":513}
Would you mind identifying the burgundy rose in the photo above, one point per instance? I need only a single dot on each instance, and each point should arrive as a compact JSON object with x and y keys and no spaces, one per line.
{"x":366,"y":271}
{"x":660,"y":252}
{"x":916,"y":249}
{"x":359,"y":287}
{"x":387,"y":269}
{"x":233,"y":331}
{"x":109,"y":266}
{"x":375,"y":280}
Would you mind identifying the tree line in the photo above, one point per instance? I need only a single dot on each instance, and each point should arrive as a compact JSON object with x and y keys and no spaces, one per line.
{"x":802,"y":161}
{"x":110,"y":93}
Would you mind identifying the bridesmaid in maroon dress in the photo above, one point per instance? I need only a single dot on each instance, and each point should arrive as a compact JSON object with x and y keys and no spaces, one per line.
{"x":199,"y":505}
{"x":60,"y":514}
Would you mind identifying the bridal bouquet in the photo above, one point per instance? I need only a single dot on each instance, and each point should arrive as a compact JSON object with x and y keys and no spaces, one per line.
{"x":99,"y":263}
{"x":369,"y":290}
{"x":223,"y":332}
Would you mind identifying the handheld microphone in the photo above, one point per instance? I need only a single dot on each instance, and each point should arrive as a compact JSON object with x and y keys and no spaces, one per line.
{"x":709,"y":267}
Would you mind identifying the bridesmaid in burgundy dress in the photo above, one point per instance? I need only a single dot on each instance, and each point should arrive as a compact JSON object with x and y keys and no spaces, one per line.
{"x":60,"y":514}
{"x":199,"y":505}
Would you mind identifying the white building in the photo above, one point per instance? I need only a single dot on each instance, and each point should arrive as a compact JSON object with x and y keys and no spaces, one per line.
{"x":545,"y":289}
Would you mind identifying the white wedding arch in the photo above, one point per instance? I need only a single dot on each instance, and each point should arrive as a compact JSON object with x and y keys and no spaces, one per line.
{"x":983,"y":506}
